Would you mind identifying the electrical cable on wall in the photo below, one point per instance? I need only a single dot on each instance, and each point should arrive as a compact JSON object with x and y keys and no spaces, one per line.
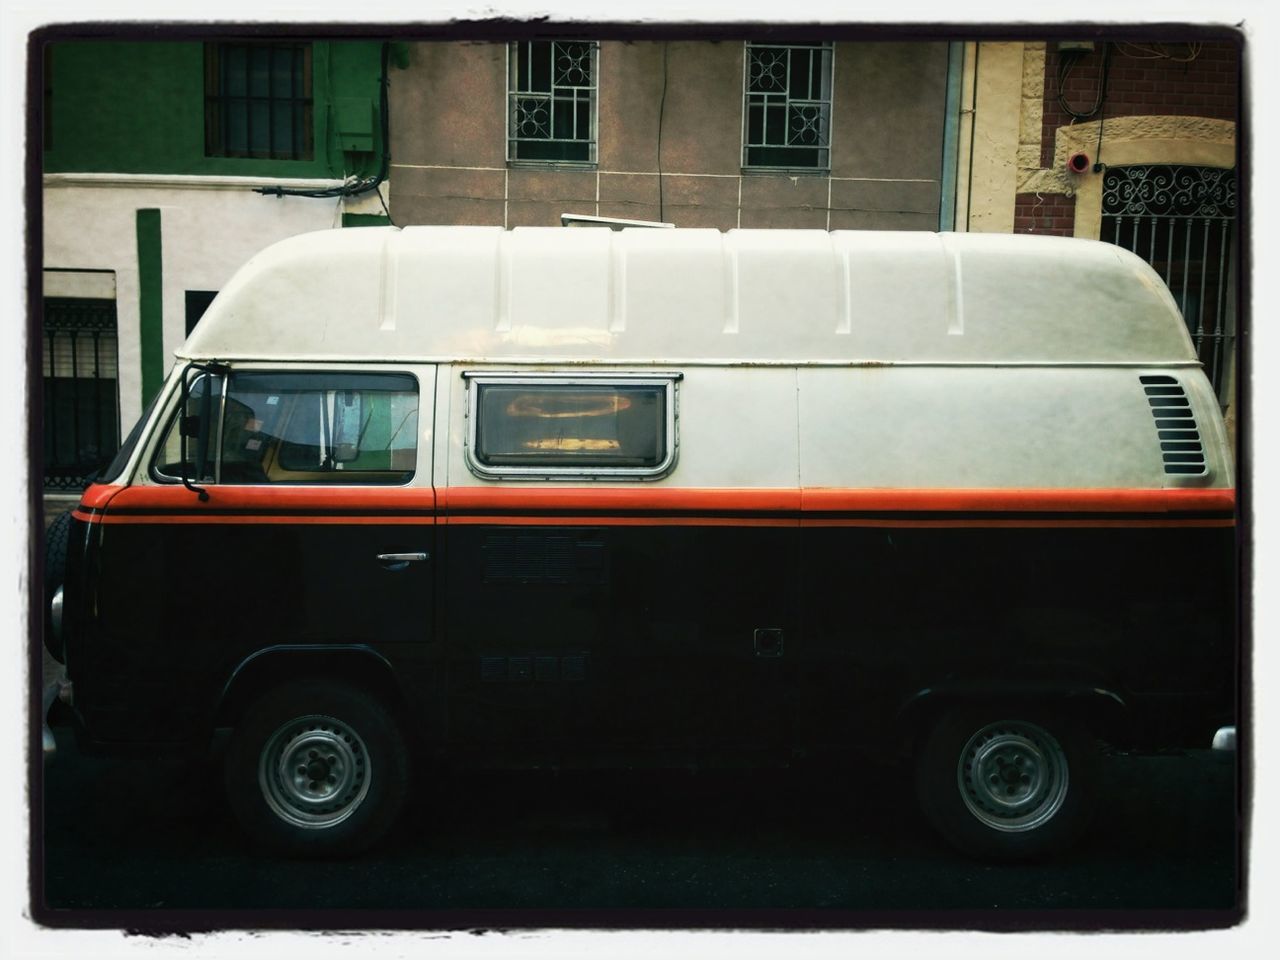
{"x":1157,"y":52}
{"x":356,"y":186}
{"x":1097,"y":153}
{"x":1066,"y":61}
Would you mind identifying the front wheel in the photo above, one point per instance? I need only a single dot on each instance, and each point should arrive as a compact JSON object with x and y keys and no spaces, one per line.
{"x":316,"y":768}
{"x":1006,"y":785}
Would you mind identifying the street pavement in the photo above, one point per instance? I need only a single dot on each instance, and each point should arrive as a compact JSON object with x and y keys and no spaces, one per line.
{"x":149,"y":844}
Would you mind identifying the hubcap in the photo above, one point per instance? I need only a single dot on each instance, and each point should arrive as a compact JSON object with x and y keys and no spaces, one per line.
{"x":1013,"y":776}
{"x":314,"y":772}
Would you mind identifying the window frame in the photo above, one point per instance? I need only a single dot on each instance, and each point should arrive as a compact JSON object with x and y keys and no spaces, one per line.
{"x":825,"y":47}
{"x":304,"y":103}
{"x":513,"y":93}
{"x":169,"y":421}
{"x":173,"y":408}
{"x":669,"y":381}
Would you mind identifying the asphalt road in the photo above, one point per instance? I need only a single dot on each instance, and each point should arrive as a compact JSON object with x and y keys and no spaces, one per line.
{"x":149,"y":843}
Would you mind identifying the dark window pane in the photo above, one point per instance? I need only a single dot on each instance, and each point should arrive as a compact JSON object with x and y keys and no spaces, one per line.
{"x":260,"y":72}
{"x":234,"y":72}
{"x":259,"y":128}
{"x":257,"y":100}
{"x":282,"y":80}
{"x":775,"y":130}
{"x":197,"y":302}
{"x":562,"y":425}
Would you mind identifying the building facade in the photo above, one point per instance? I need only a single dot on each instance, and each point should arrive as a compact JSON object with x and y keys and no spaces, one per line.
{"x":1128,"y":142}
{"x":696,"y":133}
{"x":166,"y":165}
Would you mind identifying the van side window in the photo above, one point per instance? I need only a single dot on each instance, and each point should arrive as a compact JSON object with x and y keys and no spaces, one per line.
{"x":578,"y":426}
{"x":348,"y":428}
{"x":319,"y":428}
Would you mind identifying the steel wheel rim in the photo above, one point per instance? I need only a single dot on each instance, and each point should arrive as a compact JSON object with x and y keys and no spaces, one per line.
{"x":314,"y":772}
{"x":1013,"y":776}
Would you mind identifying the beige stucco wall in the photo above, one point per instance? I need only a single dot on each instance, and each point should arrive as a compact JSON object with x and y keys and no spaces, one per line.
{"x":448,"y":121}
{"x":997,"y":109}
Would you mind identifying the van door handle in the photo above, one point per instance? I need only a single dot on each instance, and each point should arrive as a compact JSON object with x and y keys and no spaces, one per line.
{"x":398,"y":561}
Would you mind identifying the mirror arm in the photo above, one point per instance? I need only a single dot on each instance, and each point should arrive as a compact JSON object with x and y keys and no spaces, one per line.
{"x":206,"y":411}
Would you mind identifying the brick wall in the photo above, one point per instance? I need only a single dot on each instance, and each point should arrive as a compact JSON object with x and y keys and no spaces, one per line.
{"x":1053,"y":214}
{"x":1141,"y":84}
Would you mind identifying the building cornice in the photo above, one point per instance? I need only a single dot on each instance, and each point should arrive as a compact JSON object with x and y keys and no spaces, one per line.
{"x":183,"y":182}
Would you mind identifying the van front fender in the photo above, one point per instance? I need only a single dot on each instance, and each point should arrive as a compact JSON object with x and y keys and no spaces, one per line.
{"x":354,"y":664}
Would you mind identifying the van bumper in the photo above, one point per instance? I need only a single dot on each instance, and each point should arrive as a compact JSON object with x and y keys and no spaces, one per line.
{"x":1225,"y":739}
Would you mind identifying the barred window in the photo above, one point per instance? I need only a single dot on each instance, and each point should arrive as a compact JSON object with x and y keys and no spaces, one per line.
{"x":551,"y":92}
{"x":787,"y":113}
{"x":258,"y":100}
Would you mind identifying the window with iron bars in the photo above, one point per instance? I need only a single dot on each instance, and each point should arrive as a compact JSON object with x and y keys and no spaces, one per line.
{"x":258,"y":101}
{"x":81,"y":413}
{"x":1181,"y":220}
{"x":551,"y":95}
{"x":787,"y":110}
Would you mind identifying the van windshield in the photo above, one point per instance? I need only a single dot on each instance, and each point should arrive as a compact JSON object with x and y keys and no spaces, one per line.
{"x":112,"y":471}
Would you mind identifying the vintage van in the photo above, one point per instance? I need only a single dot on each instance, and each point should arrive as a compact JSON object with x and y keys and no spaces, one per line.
{"x":550,"y":496}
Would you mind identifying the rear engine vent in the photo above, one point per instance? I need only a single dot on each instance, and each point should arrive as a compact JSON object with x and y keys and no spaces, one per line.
{"x":1175,"y":425}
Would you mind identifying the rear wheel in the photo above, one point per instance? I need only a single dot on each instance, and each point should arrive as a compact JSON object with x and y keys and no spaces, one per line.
{"x":317,"y":768}
{"x":1007,"y":785}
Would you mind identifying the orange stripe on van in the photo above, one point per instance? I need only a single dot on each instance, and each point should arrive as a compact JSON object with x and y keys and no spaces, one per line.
{"x":281,"y":519}
{"x":560,"y":520}
{"x":689,"y":499}
{"x":1003,"y":522}
{"x":666,"y":506}
{"x":269,"y":499}
{"x":695,"y":521}
{"x":1003,"y":501}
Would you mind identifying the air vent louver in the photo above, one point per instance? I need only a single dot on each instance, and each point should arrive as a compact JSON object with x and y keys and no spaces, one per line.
{"x":1176,"y":427}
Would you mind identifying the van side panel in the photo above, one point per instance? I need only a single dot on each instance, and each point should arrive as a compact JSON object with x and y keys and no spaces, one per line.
{"x":640,"y":630}
{"x":961,"y":605}
{"x":185,"y":591}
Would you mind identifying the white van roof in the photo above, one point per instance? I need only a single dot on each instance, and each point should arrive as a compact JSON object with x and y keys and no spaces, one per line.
{"x":534,"y":294}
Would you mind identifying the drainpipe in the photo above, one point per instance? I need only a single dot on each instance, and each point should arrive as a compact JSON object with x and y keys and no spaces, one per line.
{"x":964,"y":138}
{"x":951,"y":136}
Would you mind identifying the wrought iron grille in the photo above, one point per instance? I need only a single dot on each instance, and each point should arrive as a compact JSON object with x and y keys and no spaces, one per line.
{"x":258,"y":100}
{"x":81,"y":402}
{"x":787,"y":115}
{"x":1180,"y":219}
{"x":552,"y":101}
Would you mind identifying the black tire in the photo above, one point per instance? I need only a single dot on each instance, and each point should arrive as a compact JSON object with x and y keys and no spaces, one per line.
{"x":1007,"y":784}
{"x":55,"y":575}
{"x":316,"y":768}
{"x":55,"y":555}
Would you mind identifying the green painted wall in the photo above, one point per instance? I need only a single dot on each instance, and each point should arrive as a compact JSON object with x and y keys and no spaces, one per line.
{"x":365,"y":220}
{"x":138,"y":107}
{"x":150,"y":302}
